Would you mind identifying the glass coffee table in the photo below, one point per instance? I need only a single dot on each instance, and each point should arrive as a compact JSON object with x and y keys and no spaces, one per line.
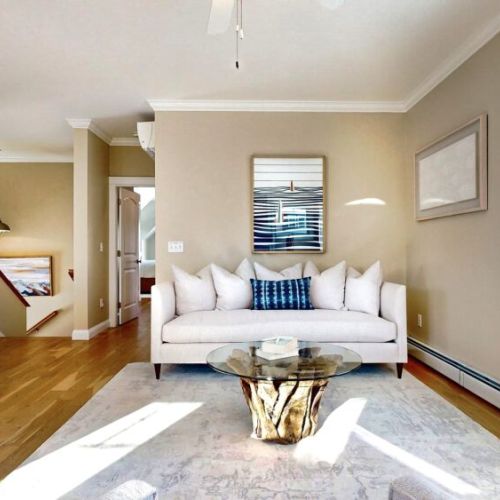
{"x":284,"y":395}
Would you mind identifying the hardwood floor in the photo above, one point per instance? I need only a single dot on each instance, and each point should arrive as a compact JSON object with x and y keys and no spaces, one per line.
{"x":44,"y":381}
{"x":476,"y":408}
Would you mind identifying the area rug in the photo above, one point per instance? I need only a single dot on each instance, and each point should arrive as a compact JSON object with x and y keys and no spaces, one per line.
{"x":189,"y":436}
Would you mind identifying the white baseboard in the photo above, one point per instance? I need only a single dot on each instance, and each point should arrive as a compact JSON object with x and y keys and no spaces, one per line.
{"x":91,"y":332}
{"x":456,"y":371}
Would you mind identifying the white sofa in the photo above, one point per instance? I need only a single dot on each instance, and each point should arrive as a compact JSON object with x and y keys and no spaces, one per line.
{"x":190,"y":337}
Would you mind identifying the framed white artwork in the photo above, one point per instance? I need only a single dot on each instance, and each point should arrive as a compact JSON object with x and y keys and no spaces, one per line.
{"x":451,"y":173}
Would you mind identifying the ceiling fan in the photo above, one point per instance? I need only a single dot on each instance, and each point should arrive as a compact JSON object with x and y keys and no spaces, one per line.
{"x":221,"y":13}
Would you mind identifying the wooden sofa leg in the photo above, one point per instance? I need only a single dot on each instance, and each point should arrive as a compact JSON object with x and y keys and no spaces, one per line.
{"x":399,"y":369}
{"x":157,"y":370}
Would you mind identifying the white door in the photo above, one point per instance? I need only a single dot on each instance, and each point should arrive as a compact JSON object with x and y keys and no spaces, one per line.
{"x":128,"y":255}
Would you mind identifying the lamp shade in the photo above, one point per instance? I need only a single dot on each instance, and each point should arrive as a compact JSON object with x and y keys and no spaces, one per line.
{"x":4,"y":228}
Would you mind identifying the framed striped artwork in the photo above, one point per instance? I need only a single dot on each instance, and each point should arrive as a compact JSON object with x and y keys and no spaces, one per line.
{"x":288,"y":204}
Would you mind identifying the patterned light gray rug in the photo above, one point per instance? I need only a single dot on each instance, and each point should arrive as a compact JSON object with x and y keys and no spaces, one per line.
{"x":188,"y":435}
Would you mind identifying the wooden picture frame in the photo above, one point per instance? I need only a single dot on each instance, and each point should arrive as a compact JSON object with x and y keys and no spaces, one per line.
{"x":279,"y":223}
{"x":32,"y":276}
{"x":451,"y":173}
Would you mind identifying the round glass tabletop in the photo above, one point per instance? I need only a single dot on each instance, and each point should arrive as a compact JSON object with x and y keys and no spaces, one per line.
{"x":314,"y":361}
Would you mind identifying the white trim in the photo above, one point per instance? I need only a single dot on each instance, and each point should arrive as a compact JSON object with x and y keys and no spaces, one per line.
{"x":464,"y":52}
{"x":125,"y":141}
{"x":279,"y":106}
{"x":79,"y":122}
{"x":132,"y":181}
{"x":473,"y":385}
{"x":89,"y":124}
{"x":482,"y":390}
{"x":37,"y":159}
{"x":115,"y":182}
{"x":91,"y":332}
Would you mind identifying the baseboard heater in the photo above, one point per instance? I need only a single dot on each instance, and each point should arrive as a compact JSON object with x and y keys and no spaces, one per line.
{"x":480,"y":384}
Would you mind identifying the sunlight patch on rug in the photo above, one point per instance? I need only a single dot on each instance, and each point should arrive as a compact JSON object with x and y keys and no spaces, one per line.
{"x":59,"y":472}
{"x":447,"y":480}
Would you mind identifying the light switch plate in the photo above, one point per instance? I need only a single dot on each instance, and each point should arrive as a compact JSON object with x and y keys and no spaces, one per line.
{"x":176,"y":246}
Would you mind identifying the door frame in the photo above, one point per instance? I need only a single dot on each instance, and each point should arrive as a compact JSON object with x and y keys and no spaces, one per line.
{"x":114,"y":183}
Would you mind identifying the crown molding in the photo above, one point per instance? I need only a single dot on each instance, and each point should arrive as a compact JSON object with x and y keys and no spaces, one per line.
{"x":124,"y":141}
{"x":279,"y":106}
{"x":464,"y":52}
{"x":89,"y":124}
{"x":44,"y":158}
{"x":79,"y":122}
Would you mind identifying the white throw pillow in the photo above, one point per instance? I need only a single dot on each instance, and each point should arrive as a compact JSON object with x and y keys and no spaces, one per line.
{"x":193,"y":292}
{"x":362,"y":291}
{"x":234,"y":291}
{"x":327,"y":288}
{"x":290,"y":273}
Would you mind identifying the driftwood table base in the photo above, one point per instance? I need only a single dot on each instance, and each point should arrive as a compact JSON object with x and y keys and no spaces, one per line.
{"x":283,"y":412}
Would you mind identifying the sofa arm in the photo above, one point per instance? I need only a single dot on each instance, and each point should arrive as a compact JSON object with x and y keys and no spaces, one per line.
{"x":393,"y":308}
{"x":162,"y":311}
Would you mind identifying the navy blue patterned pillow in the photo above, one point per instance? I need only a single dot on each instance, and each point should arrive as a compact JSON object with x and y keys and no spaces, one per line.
{"x":285,"y":294}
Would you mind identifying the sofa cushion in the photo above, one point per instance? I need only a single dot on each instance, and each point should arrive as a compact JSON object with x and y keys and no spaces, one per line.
{"x":243,"y":325}
{"x":234,"y":291}
{"x":362,"y":291}
{"x":290,"y":273}
{"x":327,"y":288}
{"x":193,"y":292}
{"x":281,"y":294}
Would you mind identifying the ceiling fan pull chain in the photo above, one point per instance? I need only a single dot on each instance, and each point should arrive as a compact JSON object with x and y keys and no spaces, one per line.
{"x":239,"y":29}
{"x":241,"y":19}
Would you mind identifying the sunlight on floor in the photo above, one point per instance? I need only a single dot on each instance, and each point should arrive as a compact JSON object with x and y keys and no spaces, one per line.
{"x":331,"y":439}
{"x":366,"y":201}
{"x":434,"y":473}
{"x":63,"y":470}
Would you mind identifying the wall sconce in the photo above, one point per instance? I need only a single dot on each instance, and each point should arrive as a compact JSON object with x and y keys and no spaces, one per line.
{"x":4,"y":228}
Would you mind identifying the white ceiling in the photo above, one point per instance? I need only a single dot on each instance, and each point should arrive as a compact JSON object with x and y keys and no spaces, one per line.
{"x":104,"y":59}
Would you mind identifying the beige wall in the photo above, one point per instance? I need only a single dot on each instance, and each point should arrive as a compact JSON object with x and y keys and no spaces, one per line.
{"x":36,"y":201}
{"x":12,"y":313}
{"x":203,"y":185}
{"x":98,"y":230}
{"x":130,"y":161}
{"x":91,"y":157}
{"x":80,"y":225}
{"x":453,"y":262}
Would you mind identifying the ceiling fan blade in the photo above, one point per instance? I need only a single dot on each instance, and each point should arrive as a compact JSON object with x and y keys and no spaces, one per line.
{"x":220,"y":16}
{"x":332,"y":4}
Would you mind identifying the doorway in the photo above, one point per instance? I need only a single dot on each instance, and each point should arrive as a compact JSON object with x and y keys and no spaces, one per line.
{"x":132,"y":235}
{"x":147,"y":240}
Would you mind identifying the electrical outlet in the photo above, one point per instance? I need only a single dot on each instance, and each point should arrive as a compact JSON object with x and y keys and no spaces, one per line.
{"x":420,"y":321}
{"x":176,"y":246}
{"x":101,"y":303}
